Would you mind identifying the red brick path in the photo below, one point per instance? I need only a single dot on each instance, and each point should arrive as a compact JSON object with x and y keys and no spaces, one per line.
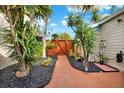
{"x":65,"y":76}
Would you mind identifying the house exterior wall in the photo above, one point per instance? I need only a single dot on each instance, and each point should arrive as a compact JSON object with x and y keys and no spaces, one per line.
{"x":94,"y":56}
{"x":113,"y":34}
{"x":96,"y":50}
{"x":3,"y":24}
{"x":4,"y":61}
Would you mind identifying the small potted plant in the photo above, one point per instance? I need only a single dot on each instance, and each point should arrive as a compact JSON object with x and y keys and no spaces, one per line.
{"x":103,"y":59}
{"x":46,"y":62}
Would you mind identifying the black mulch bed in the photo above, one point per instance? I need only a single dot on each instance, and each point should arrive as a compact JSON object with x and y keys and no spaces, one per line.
{"x":79,"y":65}
{"x":40,"y":76}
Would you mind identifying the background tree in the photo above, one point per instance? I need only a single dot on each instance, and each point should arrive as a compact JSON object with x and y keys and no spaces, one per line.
{"x":89,"y":9}
{"x":54,"y":36}
{"x":45,"y":32}
{"x":115,"y":8}
{"x":46,"y":12}
{"x":61,"y":36}
{"x":44,"y":37}
{"x":64,"y":36}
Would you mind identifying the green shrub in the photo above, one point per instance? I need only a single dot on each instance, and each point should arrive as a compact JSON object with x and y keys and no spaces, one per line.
{"x":50,"y":45}
{"x":103,"y":57}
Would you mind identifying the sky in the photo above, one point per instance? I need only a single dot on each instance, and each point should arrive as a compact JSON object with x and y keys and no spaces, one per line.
{"x":57,"y":21}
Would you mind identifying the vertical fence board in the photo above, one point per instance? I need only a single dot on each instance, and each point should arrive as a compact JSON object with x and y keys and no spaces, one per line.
{"x":62,"y":47}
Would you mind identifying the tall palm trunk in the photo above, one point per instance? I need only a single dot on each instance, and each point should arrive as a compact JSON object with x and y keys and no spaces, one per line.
{"x":44,"y":37}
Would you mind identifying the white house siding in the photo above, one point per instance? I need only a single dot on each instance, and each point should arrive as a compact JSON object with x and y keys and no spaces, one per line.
{"x":113,"y":32}
{"x":95,"y":55}
{"x":3,"y":24}
{"x":4,"y":61}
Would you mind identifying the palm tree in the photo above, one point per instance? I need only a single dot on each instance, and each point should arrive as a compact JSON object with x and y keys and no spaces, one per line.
{"x":89,"y":8}
{"x":46,"y":14}
{"x":85,"y":8}
{"x":44,"y":37}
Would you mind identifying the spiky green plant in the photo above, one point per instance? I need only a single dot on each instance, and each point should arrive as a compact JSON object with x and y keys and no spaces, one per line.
{"x":20,"y":34}
{"x":84,"y":33}
{"x":31,"y":49}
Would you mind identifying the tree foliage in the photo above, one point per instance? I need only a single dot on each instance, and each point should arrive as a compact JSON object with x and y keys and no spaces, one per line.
{"x":61,"y":36}
{"x":84,"y":33}
{"x":95,"y":15}
{"x":21,"y":33}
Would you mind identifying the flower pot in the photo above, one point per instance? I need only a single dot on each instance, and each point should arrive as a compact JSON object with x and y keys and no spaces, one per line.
{"x":101,"y":62}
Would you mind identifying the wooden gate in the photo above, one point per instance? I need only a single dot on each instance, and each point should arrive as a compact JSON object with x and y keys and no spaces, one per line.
{"x":62,"y":47}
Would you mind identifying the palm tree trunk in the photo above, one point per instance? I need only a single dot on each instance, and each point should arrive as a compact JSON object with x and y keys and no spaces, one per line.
{"x":44,"y":37}
{"x":44,"y":46}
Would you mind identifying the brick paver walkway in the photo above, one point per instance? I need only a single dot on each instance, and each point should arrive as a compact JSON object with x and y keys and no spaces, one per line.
{"x":65,"y":76}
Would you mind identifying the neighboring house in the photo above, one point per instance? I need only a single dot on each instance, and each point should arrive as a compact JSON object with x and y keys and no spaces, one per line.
{"x":110,"y":36}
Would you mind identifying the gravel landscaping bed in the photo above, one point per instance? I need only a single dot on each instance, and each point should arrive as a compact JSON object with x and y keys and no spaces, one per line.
{"x":79,"y":65}
{"x":40,"y":76}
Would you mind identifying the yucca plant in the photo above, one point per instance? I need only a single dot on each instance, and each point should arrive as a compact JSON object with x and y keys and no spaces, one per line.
{"x":76,"y":44}
{"x":84,"y":33}
{"x":21,"y":33}
{"x":31,"y":49}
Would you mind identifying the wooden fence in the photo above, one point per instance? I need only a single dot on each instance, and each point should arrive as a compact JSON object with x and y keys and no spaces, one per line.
{"x":62,"y":47}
